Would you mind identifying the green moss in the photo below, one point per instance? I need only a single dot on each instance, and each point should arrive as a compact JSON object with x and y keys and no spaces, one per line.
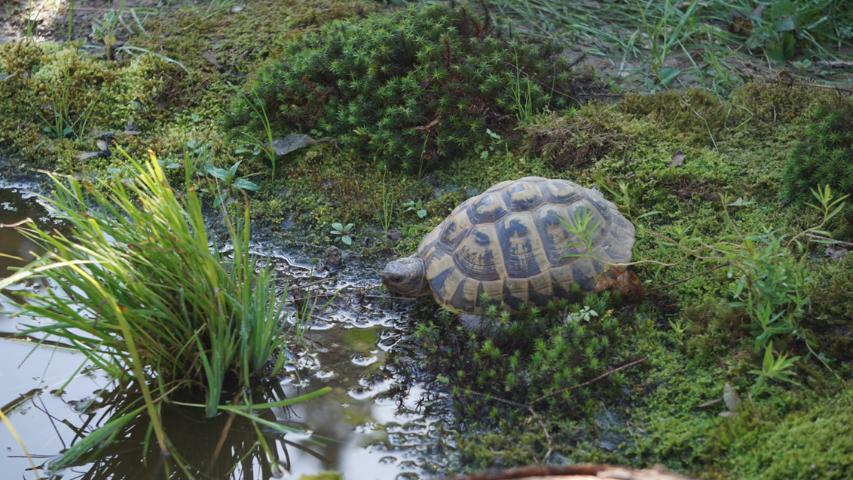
{"x":361,"y":340}
{"x":812,"y":443}
{"x":693,"y":116}
{"x":760,"y":104}
{"x":824,"y":156}
{"x":59,"y":96}
{"x":323,"y":476}
{"x":579,"y":138}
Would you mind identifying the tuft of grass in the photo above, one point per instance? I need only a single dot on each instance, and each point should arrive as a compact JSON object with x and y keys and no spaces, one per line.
{"x":140,"y":289}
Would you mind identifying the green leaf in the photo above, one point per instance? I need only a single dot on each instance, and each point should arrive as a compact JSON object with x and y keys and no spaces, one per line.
{"x":666,"y":75}
{"x":767,"y":364}
{"x":339,"y":227}
{"x":219,"y":173}
{"x":243,"y":184}
{"x":347,"y":240}
{"x":233,"y":170}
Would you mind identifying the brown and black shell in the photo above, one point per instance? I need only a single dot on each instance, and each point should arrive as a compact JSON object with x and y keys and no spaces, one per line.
{"x":511,"y":244}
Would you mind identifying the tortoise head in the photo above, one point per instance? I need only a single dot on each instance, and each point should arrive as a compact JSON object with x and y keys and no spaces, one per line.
{"x":406,"y":277}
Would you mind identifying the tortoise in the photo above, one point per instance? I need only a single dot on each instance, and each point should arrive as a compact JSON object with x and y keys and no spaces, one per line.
{"x":523,"y":241}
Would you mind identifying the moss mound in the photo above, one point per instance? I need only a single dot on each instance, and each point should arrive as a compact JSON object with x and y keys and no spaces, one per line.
{"x":411,"y":89}
{"x":55,"y":97}
{"x":824,"y":156}
{"x":815,"y":443}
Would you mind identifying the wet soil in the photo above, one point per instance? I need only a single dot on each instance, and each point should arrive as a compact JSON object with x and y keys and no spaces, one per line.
{"x":377,"y":423}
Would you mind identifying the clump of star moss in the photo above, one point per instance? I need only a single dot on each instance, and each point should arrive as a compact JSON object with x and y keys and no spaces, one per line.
{"x":409,"y":89}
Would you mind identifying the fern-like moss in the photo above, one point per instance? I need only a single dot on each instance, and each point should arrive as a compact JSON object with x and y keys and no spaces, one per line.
{"x":824,"y":156}
{"x":409,"y":89}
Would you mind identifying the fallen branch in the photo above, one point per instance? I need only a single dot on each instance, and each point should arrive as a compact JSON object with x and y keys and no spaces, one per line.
{"x":590,"y":382}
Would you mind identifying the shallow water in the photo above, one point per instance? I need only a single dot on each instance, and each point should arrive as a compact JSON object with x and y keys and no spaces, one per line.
{"x":371,"y":426}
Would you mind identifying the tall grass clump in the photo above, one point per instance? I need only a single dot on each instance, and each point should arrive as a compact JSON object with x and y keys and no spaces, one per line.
{"x":137,"y":286}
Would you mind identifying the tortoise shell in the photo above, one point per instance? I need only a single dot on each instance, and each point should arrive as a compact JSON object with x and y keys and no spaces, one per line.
{"x":522,"y":241}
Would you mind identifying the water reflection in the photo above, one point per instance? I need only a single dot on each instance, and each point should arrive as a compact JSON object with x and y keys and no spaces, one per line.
{"x":224,"y":447}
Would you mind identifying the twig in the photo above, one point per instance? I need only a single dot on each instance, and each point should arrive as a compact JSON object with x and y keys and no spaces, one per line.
{"x":691,"y":277}
{"x":806,"y":84}
{"x":590,"y":382}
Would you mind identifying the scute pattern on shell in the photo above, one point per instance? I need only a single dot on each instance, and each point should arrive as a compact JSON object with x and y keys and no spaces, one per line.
{"x":510,"y":243}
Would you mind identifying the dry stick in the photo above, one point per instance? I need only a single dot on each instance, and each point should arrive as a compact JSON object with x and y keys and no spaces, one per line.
{"x":227,"y":428}
{"x":16,"y":224}
{"x":589,"y":382}
{"x":806,"y":84}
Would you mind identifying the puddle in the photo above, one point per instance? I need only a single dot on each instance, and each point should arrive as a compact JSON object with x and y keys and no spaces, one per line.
{"x":372,"y":425}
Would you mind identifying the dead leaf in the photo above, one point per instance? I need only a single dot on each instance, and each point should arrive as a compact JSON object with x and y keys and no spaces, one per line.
{"x":730,"y":397}
{"x":677,"y":159}
{"x":210,"y":56}
{"x":428,"y":126}
{"x":88,"y":155}
{"x":290,"y":143}
{"x":836,"y":253}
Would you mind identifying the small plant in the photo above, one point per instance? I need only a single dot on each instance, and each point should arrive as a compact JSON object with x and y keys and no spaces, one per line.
{"x":105,"y":31}
{"x":679,"y":328}
{"x":786,"y":26}
{"x":229,"y":179}
{"x":491,"y":147}
{"x":522,"y":94}
{"x":342,"y":232}
{"x":387,"y":203}
{"x":582,"y":226}
{"x":60,"y":121}
{"x":585,"y":314}
{"x":416,"y":207}
{"x":779,"y":368}
{"x":822,"y":157}
{"x":260,"y":146}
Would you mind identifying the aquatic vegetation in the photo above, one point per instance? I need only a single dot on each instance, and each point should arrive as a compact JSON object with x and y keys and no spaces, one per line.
{"x":135,"y":286}
{"x":409,"y":89}
{"x":823,"y":157}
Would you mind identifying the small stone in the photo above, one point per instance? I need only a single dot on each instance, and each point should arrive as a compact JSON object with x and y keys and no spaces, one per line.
{"x":290,"y":143}
{"x":394,"y":235}
{"x":333,"y":259}
{"x":836,"y":253}
{"x":677,"y":159}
